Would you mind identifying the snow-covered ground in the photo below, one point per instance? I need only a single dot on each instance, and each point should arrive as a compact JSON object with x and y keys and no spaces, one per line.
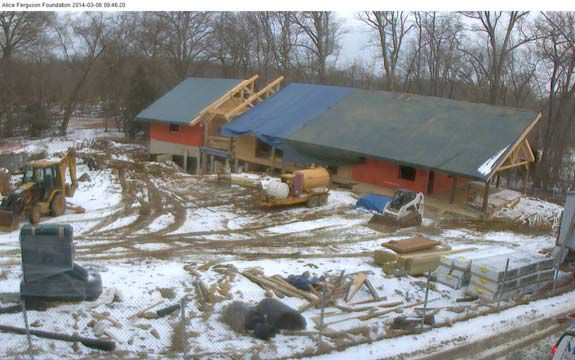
{"x":146,"y":224}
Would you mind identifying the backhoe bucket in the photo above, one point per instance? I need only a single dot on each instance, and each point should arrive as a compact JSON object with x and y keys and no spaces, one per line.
{"x":8,"y":220}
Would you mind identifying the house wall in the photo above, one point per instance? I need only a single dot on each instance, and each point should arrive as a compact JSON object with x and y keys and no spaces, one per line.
{"x":386,"y":174}
{"x":245,"y":146}
{"x":186,"y":135}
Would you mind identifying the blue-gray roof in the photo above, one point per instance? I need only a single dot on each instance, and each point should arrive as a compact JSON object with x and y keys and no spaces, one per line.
{"x":184,"y":102}
{"x":456,"y":137}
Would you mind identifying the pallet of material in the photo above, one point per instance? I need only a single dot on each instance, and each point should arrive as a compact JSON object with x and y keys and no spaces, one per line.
{"x":489,"y":296}
{"x":542,"y":276}
{"x":520,"y":264}
{"x":410,"y":245}
{"x":454,"y":270}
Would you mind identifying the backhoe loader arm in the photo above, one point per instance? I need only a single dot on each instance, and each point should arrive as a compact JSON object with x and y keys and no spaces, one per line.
{"x":68,"y":162}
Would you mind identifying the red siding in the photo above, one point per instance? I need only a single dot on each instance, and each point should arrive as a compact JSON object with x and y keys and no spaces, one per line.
{"x":187,"y":135}
{"x":386,"y":174}
{"x":442,"y":182}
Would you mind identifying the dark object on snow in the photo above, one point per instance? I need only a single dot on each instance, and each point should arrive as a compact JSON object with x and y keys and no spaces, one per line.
{"x":90,"y":162}
{"x":304,"y":281}
{"x":280,"y":315}
{"x":99,"y":344}
{"x":85,"y":177}
{"x":264,"y":331}
{"x":253,"y":318}
{"x":168,"y":310}
{"x":12,"y":309}
{"x":404,"y":323}
{"x":242,"y":317}
{"x":49,"y":271}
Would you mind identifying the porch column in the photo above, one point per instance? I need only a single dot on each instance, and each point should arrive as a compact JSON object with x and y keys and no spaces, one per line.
{"x":453,"y":189}
{"x":525,"y":179}
{"x":485,"y":197}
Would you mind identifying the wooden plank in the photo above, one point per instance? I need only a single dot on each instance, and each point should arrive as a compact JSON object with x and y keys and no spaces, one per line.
{"x":410,"y":245}
{"x":249,"y":101}
{"x":142,"y":312}
{"x":516,"y":144}
{"x":372,"y":289}
{"x":356,"y":285}
{"x":242,"y":85}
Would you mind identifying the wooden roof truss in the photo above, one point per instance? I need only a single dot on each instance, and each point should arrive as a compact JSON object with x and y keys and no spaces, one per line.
{"x":237,"y":100}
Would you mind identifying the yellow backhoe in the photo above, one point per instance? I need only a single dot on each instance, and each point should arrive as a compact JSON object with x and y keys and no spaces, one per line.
{"x":43,"y":191}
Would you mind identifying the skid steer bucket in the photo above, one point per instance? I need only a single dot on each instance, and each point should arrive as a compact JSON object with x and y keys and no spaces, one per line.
{"x":411,"y":219}
{"x":8,"y":220}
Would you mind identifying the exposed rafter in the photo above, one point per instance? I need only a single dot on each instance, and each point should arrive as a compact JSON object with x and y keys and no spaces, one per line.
{"x":258,"y":97}
{"x":239,"y":91}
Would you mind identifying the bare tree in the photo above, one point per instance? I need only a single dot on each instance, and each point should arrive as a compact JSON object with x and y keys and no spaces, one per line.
{"x":184,"y":37}
{"x":82,"y":41}
{"x":503,"y":32}
{"x":322,"y":34}
{"x":390,"y":28}
{"x":556,"y":48}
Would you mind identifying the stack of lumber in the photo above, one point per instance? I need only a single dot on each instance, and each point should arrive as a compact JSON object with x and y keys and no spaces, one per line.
{"x":526,"y":273}
{"x":454,"y":270}
{"x":413,"y":256}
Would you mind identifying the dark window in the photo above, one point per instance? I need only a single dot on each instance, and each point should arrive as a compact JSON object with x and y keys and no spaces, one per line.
{"x":174,"y":127}
{"x":407,"y":173}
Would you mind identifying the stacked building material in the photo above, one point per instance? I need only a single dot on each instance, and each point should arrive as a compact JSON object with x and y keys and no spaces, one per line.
{"x":525,"y":273}
{"x":413,"y":256}
{"x":454,"y":270}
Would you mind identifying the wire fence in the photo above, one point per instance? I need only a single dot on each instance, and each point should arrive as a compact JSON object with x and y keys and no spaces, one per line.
{"x":203,"y":323}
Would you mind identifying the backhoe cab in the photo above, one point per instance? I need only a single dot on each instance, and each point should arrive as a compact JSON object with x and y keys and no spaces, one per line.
{"x":43,"y":191}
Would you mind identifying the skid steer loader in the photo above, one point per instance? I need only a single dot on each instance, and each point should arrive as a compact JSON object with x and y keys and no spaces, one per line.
{"x":43,"y":191}
{"x":405,"y":209}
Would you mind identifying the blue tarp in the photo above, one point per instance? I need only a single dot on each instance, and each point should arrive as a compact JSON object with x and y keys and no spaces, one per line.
{"x":285,"y":112}
{"x":373,"y":202}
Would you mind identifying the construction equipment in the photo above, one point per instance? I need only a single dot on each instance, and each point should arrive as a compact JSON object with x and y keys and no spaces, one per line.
{"x":43,"y":191}
{"x":309,"y":186}
{"x":405,"y":209}
{"x":49,"y":271}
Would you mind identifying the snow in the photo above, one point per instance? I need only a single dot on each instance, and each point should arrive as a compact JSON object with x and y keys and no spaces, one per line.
{"x":487,"y":167}
{"x":533,"y":212}
{"x":144,"y":257}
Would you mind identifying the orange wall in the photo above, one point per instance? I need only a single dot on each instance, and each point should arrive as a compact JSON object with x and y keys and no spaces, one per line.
{"x":442,"y":182}
{"x":386,"y":174}
{"x":187,"y":135}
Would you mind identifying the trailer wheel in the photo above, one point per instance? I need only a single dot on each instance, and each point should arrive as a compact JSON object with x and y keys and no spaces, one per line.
{"x":313,"y":201}
{"x":58,"y":205}
{"x":35,"y":214}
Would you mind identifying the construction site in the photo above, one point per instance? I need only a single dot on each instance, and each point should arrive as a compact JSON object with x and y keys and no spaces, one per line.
{"x":247,"y":227}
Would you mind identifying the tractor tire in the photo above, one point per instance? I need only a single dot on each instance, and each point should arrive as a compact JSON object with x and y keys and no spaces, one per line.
{"x":58,"y":205}
{"x":323,"y":199}
{"x":313,"y":201}
{"x":35,"y":214}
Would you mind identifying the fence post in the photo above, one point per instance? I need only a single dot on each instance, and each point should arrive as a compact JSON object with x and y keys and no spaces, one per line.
{"x":321,"y":317}
{"x":503,"y":283}
{"x":427,"y":286}
{"x":28,"y":337}
{"x":184,"y":332}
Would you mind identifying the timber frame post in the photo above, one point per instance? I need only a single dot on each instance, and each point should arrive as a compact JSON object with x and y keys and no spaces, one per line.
{"x":453,"y":189}
{"x":485,"y":199}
